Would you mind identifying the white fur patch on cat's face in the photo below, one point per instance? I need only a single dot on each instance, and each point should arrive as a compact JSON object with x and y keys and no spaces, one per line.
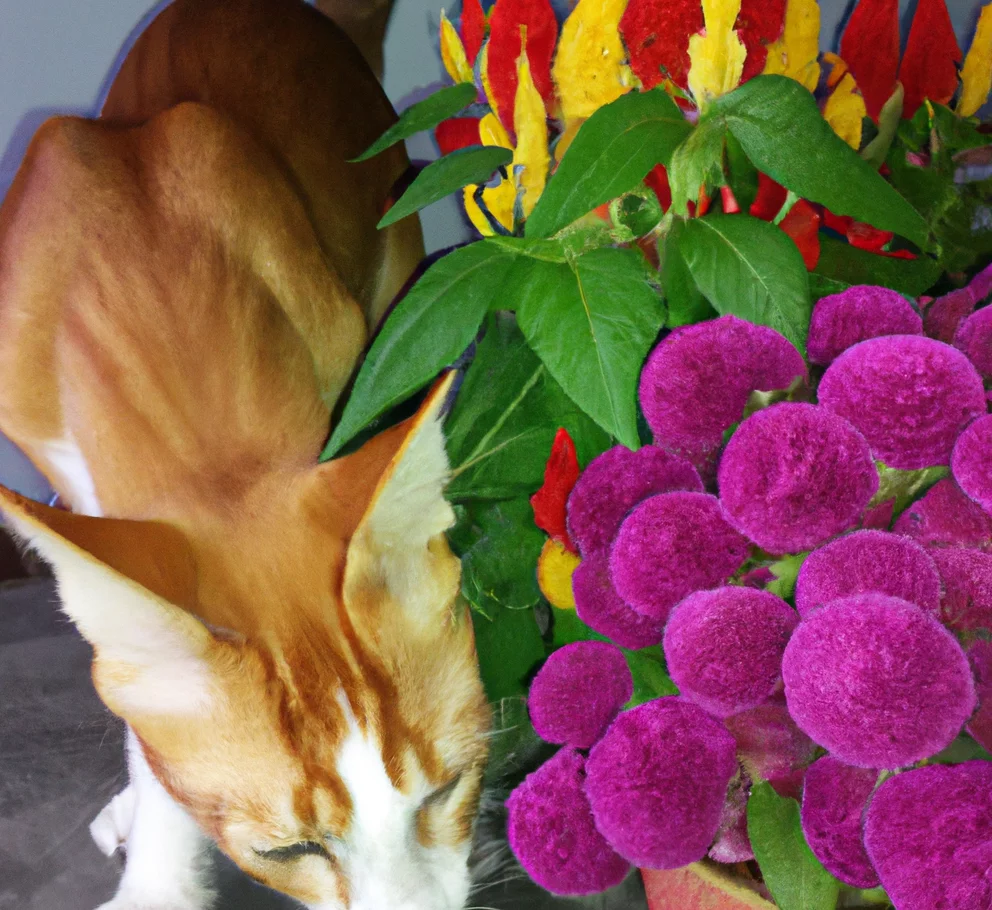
{"x":385,"y":865}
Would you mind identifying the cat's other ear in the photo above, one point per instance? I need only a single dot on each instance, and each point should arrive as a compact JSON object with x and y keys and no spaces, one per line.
{"x":127,"y":586}
{"x":398,"y":544}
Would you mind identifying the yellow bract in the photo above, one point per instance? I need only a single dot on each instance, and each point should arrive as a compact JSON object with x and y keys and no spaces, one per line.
{"x":976,"y":74}
{"x":554,"y":575}
{"x":589,"y":68}
{"x":717,"y":53}
{"x":795,"y":53}
{"x":453,"y":53}
{"x":530,"y":157}
{"x":498,"y":200}
{"x":845,"y":108}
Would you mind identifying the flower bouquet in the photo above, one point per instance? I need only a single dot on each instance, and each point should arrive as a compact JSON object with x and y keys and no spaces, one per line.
{"x":722,"y":452}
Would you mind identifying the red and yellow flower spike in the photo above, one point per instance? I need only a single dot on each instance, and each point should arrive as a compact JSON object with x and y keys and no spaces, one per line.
{"x":498,"y":200}
{"x":717,"y":54}
{"x":589,"y":68}
{"x":453,"y":53}
{"x":531,"y":159}
{"x":561,"y":471}
{"x":844,"y":109}
{"x":796,"y":53}
{"x":870,"y":47}
{"x":473,"y":28}
{"x":555,"y":567}
{"x":976,"y":74}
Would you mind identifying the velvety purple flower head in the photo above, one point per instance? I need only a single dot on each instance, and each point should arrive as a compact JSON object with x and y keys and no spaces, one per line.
{"x":697,"y":382}
{"x":731,"y":844}
{"x":944,"y":315}
{"x":834,"y":799}
{"x":657,"y":782}
{"x":981,"y":285}
{"x":552,"y":832}
{"x":929,"y":837}
{"x":770,"y":746}
{"x":974,"y":338}
{"x":671,"y":545}
{"x":600,"y":607}
{"x":868,"y":561}
{"x":877,"y":682}
{"x":614,"y":483}
{"x":966,"y":602}
{"x":578,"y":692}
{"x":945,"y":517}
{"x":909,"y":396}
{"x":861,"y":312}
{"x":971,"y":463}
{"x":795,"y":475}
{"x":980,"y":725}
{"x":878,"y":518}
{"x":724,"y":647}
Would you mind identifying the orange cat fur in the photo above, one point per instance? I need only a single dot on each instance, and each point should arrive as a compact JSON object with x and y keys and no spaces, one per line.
{"x":186,"y":285}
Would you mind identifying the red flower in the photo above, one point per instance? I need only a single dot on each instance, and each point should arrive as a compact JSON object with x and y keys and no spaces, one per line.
{"x":457,"y":133}
{"x":870,"y":48}
{"x":473,"y":28}
{"x":802,"y":223}
{"x":560,"y":474}
{"x":656,"y":34}
{"x":657,"y":180}
{"x":929,"y":66}
{"x":759,"y":23}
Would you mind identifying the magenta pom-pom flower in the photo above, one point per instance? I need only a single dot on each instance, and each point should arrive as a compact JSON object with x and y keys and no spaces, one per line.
{"x":771,"y":747}
{"x":974,"y":338}
{"x":966,"y":603}
{"x":834,"y":799}
{"x":980,"y":725}
{"x":614,"y":483}
{"x":877,"y":681}
{"x":945,"y":517}
{"x":944,"y":315}
{"x":671,"y":545}
{"x":600,"y":607}
{"x":657,"y":782}
{"x":795,"y":475}
{"x":578,"y":692}
{"x":971,"y":463}
{"x":909,"y":396}
{"x":724,"y":647}
{"x":929,"y":837}
{"x":552,"y":832}
{"x":697,"y":382}
{"x":857,"y":314}
{"x":868,"y":561}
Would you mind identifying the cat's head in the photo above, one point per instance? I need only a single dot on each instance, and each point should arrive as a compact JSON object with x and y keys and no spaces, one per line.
{"x":306,"y":689}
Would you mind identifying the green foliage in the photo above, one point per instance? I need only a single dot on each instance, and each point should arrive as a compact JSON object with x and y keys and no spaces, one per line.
{"x":683,"y":300}
{"x":424,"y":115}
{"x":475,"y":164}
{"x":698,"y":161}
{"x":591,"y":320}
{"x":651,"y":679}
{"x":845,"y":265}
{"x":781,"y":130}
{"x":505,"y":418}
{"x":510,"y":647}
{"x":610,"y":154}
{"x":427,"y":331}
{"x":792,"y":873}
{"x":752,"y":269}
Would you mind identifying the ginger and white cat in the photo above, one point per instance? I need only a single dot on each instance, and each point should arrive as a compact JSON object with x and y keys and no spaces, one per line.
{"x":186,"y":285}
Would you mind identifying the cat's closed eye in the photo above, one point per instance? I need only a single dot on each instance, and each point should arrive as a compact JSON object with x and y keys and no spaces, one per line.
{"x":295,"y":851}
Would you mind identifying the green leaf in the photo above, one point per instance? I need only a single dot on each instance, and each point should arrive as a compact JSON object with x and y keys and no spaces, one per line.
{"x":686,"y":304}
{"x":786,"y":572}
{"x":509,"y":646}
{"x":841,"y":262}
{"x":752,"y":269}
{"x":779,"y":126}
{"x":888,"y":123}
{"x":428,"y":330}
{"x":499,"y":571}
{"x":697,"y":161}
{"x":610,"y":154}
{"x":568,"y":628}
{"x":743,"y":174}
{"x":905,"y":487}
{"x":475,"y":164}
{"x":651,"y":679}
{"x":792,"y":873}
{"x":505,"y":418}
{"x":424,"y":115}
{"x":592,"y":321}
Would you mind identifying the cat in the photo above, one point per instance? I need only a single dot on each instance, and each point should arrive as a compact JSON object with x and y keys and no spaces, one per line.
{"x":186,"y":287}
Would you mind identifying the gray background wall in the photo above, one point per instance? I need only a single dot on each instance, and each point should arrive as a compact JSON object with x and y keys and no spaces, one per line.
{"x":55,"y":57}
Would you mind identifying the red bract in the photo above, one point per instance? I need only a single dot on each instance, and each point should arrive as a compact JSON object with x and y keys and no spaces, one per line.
{"x":929,"y":66}
{"x":759,"y":23}
{"x":656,"y":34}
{"x":802,"y":224}
{"x":657,"y":180}
{"x":473,"y":28}
{"x":870,"y":48}
{"x":560,"y":474}
{"x":538,"y":18}
{"x":858,"y":234}
{"x":457,"y":133}
{"x":769,"y":199}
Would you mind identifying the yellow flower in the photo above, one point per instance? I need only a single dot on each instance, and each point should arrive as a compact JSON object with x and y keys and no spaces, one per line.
{"x":796,"y":53}
{"x":717,"y":53}
{"x":453,"y":52}
{"x":976,"y":74}
{"x":845,"y":108}
{"x":555,"y":567}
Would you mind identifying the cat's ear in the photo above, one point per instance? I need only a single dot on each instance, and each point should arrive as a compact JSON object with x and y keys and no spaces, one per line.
{"x":398,"y":544}
{"x":126,"y":586}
